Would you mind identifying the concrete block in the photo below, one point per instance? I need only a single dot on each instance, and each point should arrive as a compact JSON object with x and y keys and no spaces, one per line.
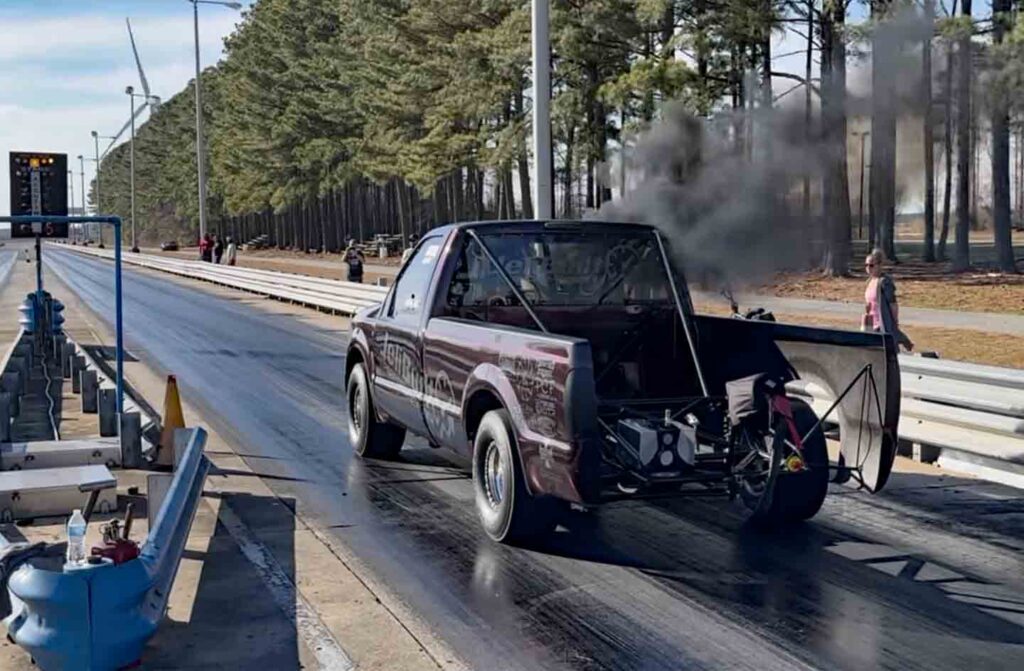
{"x":108,"y":412}
{"x":90,"y":386}
{"x":131,"y":440}
{"x":77,"y":366}
{"x":5,"y":417}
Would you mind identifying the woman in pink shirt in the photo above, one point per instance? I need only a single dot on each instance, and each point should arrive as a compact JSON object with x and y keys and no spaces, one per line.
{"x":881,"y":311}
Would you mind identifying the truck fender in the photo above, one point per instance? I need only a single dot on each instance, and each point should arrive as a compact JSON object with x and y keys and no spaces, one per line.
{"x":489,"y":378}
{"x":359,"y":345}
{"x":358,"y":342}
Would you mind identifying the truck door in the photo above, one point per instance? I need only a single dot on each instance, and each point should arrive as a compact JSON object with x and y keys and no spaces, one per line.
{"x":398,"y":361}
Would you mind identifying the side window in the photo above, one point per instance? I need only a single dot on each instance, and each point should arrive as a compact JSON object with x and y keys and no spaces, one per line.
{"x":410,"y":293}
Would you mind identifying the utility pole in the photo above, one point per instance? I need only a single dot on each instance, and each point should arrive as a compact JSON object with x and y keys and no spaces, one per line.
{"x":541,"y":109}
{"x":131,"y":96}
{"x":200,"y":162}
{"x":81,"y":165}
{"x":96,"y":140}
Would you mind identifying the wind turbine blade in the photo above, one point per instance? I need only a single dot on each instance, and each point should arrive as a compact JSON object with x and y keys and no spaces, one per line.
{"x":124,"y":128}
{"x":138,"y":62}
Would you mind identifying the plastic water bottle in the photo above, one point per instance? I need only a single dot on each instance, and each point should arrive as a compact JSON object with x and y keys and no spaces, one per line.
{"x":77,"y":527}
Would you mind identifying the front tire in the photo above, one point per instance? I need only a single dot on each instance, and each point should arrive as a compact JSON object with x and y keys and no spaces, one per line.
{"x":507,"y":510}
{"x":370,"y":438}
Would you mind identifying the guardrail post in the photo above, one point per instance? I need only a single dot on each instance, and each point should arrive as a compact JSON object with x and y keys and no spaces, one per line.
{"x":11,"y":383}
{"x":66,"y":353}
{"x":24,"y":350}
{"x":5,"y":417}
{"x":77,"y":366}
{"x":89,"y":384}
{"x":926,"y":454}
{"x":20,"y":366}
{"x":58,"y":349}
{"x":131,"y":440}
{"x":108,"y":412}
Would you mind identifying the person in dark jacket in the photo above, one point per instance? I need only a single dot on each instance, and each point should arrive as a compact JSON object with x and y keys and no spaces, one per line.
{"x":218,"y":248}
{"x":881,"y":311}
{"x":355,"y":260}
{"x":206,"y":248}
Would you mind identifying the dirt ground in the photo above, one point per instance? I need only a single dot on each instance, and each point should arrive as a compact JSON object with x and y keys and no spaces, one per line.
{"x":921,"y":285}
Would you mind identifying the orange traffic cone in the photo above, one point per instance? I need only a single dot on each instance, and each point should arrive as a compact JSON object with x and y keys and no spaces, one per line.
{"x":174,"y":418}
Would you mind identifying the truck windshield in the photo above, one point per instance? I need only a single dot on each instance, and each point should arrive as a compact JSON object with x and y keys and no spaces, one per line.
{"x":566,"y":268}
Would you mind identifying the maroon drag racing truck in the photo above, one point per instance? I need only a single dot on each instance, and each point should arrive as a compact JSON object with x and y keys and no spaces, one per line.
{"x":565,"y":358}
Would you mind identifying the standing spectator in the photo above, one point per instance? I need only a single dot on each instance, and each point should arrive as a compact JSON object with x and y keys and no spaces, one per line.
{"x":881,"y":311}
{"x":231,"y":252}
{"x":218,"y":249}
{"x":355,"y":259}
{"x":206,"y":248}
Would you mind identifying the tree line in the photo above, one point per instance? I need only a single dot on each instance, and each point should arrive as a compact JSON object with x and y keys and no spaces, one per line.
{"x":336,"y":119}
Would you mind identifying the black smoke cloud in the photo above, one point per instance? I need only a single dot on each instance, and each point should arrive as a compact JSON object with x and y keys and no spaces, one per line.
{"x":731,"y":217}
{"x":727,"y":192}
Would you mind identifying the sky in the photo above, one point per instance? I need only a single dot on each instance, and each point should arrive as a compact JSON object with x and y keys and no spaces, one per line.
{"x":64,"y":66}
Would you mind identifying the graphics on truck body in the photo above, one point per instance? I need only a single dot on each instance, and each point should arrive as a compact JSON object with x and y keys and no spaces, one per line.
{"x":39,"y":185}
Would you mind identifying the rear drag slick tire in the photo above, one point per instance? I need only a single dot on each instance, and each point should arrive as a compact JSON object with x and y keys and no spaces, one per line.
{"x":507,"y":510}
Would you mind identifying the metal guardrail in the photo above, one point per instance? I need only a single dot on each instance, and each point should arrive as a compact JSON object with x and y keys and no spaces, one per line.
{"x":334,"y":295}
{"x":100,"y":616}
{"x":9,"y":401}
{"x":954,"y":411}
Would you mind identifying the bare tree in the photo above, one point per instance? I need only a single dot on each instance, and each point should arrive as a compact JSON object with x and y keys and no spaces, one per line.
{"x":883,"y":132}
{"x":1001,"y":153}
{"x":929,"y":140}
{"x":833,"y":115}
{"x":962,"y":254}
{"x":947,"y":142}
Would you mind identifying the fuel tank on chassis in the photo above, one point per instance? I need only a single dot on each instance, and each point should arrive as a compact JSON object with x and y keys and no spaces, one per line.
{"x":864,"y":365}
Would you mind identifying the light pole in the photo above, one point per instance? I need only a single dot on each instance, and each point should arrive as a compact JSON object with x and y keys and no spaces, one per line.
{"x":132,"y":95}
{"x":860,"y":207}
{"x":81,"y":175}
{"x":541,"y":110}
{"x":200,"y":162}
{"x":71,"y":185}
{"x":81,"y":167}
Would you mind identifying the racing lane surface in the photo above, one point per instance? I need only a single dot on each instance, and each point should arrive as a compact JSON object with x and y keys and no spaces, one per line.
{"x":927,"y":575}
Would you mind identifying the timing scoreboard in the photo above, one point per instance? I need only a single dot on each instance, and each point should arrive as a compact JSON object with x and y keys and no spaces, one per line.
{"x":39,"y":185}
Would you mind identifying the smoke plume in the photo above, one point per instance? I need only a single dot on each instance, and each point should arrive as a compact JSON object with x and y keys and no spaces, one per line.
{"x":731,"y":209}
{"x":728,"y":191}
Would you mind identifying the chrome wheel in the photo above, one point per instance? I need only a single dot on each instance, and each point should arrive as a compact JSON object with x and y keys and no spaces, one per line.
{"x":494,"y":475}
{"x":356,"y":413}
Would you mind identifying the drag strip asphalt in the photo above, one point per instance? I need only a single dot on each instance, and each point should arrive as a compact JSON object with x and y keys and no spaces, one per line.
{"x":927,"y":575}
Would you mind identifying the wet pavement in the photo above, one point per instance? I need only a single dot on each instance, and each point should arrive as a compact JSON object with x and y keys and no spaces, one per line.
{"x":927,"y":575}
